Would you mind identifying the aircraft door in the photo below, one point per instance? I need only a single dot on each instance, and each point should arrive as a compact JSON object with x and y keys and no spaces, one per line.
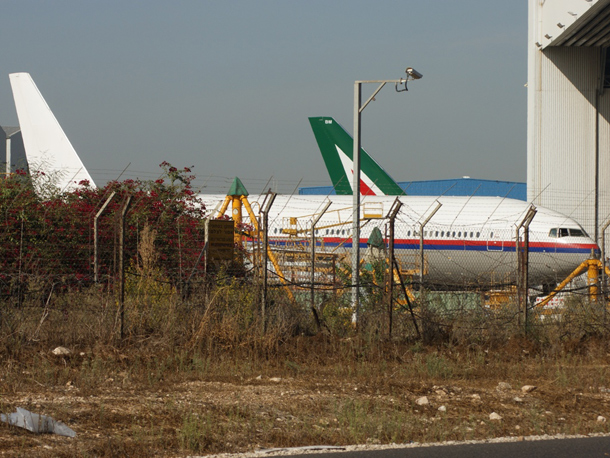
{"x":494,"y":243}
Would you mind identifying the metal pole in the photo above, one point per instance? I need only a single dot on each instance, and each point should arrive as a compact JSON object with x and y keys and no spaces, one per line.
{"x":404,"y":290}
{"x":604,"y":277}
{"x":96,"y":253}
{"x":392,"y":216}
{"x":122,"y":265}
{"x":391,"y":279}
{"x":312,"y":243}
{"x":313,"y":260}
{"x":358,"y":107}
{"x":524,"y":263}
{"x":596,"y":164}
{"x":519,"y":272}
{"x":421,"y":256}
{"x":421,"y":241}
{"x":265,"y":212}
{"x":356,"y":205}
{"x":603,"y":255}
{"x":265,"y":260}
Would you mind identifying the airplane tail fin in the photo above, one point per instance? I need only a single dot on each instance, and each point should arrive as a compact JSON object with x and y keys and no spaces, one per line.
{"x":47,"y":147}
{"x":337,"y":146}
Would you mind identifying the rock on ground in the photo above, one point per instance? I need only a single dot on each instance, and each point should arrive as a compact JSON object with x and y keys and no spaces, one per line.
{"x":60,"y":351}
{"x":423,"y":401}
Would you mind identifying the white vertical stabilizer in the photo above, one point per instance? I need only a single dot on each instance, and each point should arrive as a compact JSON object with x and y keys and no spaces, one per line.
{"x":47,"y":147}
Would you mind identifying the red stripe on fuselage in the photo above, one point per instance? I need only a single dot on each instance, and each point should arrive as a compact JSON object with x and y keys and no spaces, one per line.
{"x":506,"y":244}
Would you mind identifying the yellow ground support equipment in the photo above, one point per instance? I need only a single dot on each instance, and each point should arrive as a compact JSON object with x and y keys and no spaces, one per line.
{"x":593,"y":267}
{"x":238,"y":197}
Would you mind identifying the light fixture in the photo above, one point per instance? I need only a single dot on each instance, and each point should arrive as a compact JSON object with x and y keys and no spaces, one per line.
{"x":414,"y":74}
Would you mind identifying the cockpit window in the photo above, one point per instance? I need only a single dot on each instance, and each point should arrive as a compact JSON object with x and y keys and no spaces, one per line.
{"x":566,"y":232}
{"x":577,"y":233}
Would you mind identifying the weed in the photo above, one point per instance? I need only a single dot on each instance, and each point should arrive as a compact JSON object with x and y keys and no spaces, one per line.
{"x":185,"y":378}
{"x":196,"y":434}
{"x":438,"y":367}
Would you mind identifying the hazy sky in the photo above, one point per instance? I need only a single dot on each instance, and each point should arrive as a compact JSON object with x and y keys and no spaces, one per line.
{"x":227,"y":86}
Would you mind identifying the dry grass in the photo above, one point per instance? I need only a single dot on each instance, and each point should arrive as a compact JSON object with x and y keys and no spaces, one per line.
{"x":200,"y":376}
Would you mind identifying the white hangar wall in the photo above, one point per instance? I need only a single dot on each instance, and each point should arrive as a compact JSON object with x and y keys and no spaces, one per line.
{"x":568,"y":144}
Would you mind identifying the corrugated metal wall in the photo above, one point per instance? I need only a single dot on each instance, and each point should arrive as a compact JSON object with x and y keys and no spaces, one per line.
{"x":562,"y":131}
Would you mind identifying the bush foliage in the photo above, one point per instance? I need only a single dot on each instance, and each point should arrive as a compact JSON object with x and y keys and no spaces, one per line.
{"x":52,"y":238}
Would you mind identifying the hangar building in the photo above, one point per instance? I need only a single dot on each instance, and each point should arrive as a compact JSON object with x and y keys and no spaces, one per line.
{"x":568,"y":109}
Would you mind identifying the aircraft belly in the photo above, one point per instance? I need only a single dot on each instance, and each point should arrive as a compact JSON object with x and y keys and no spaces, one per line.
{"x":484,"y":268}
{"x":462,"y":267}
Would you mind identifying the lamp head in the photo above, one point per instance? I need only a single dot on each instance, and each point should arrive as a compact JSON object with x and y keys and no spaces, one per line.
{"x":414,"y":74}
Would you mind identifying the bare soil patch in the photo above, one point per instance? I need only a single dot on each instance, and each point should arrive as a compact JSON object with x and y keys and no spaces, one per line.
{"x":128,"y":402}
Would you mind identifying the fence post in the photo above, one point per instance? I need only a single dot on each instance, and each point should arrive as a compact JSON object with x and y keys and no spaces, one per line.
{"x":604,"y":277}
{"x":404,"y":290}
{"x":422,"y":226}
{"x":180,"y":287}
{"x":265,"y":211}
{"x":20,"y":285}
{"x":96,"y":252}
{"x":523,"y":264}
{"x":186,"y":291}
{"x":313,"y":261}
{"x":392,"y":216}
{"x":124,"y":208}
{"x":257,"y":254}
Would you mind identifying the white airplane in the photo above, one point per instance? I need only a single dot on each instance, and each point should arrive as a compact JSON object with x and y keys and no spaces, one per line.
{"x":470,"y":240}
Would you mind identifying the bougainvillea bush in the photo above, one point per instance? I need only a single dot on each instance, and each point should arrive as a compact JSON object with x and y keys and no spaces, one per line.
{"x":50,"y":240}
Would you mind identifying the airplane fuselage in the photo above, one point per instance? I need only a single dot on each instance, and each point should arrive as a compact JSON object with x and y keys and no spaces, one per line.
{"x":470,"y":240}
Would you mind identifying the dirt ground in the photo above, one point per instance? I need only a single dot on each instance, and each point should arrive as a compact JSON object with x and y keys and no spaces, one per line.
{"x":119,"y":409}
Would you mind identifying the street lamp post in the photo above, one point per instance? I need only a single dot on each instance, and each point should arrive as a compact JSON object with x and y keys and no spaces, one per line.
{"x":358,"y":108}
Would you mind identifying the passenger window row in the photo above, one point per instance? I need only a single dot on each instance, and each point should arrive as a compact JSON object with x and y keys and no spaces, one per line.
{"x":447,"y":234}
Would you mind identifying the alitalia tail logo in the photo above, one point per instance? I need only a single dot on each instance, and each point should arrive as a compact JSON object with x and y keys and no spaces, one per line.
{"x":367,"y":186}
{"x":336,"y":147}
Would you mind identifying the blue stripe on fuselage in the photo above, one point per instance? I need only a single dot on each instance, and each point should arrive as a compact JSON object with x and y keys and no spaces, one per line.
{"x":508,"y":247}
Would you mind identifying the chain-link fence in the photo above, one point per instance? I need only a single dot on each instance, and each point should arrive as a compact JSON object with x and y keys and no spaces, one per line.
{"x":424,"y":280}
{"x":415,"y":280}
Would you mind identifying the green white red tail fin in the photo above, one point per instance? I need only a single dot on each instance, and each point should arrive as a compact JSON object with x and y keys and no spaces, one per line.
{"x":337,"y":147}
